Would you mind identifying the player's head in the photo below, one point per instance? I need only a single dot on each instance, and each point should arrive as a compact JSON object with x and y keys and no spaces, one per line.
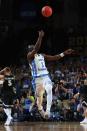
{"x":30,"y":48}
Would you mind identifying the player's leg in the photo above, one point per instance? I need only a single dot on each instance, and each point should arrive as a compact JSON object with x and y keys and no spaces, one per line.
{"x":85,"y":118}
{"x":84,"y":104}
{"x":9,"y":117}
{"x":39,"y":96}
{"x":7,"y":109}
{"x":48,"y":88}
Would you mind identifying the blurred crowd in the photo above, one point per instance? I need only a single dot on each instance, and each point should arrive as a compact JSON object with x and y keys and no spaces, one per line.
{"x":67,"y":77}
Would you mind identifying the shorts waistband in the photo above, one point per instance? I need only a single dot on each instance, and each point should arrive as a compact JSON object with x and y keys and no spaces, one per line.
{"x":41,"y":76}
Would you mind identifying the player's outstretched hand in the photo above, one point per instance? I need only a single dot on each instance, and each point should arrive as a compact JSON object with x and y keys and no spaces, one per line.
{"x":41,"y":33}
{"x":69,"y":51}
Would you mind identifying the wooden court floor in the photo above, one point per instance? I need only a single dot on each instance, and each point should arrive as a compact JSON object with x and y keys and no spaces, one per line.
{"x":45,"y":126}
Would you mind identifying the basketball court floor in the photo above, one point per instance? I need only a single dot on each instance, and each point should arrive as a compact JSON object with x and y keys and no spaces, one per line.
{"x":45,"y":126}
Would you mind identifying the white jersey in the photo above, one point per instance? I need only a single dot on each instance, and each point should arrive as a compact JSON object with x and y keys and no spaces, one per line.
{"x":38,"y":67}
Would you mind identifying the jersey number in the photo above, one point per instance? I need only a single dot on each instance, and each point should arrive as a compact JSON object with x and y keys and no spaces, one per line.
{"x":42,"y":66}
{"x":9,"y":83}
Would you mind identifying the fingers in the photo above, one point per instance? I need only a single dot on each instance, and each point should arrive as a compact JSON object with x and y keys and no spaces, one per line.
{"x":41,"y":33}
{"x":73,"y":51}
{"x":70,"y":50}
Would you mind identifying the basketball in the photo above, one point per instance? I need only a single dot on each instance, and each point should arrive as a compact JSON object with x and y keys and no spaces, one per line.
{"x":46,"y":11}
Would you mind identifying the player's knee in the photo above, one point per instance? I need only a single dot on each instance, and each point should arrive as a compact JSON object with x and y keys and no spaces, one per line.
{"x":39,"y":94}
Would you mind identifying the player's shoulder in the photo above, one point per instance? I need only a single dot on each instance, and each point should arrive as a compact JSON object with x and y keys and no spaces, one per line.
{"x":10,"y":76}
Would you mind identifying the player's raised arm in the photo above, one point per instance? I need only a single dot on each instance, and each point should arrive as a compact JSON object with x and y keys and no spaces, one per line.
{"x":36,"y":48}
{"x":3,"y":70}
{"x":57,"y":57}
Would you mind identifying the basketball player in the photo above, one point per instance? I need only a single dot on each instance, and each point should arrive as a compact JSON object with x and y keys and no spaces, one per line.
{"x":40,"y":74}
{"x":8,"y":92}
{"x":83,"y":97}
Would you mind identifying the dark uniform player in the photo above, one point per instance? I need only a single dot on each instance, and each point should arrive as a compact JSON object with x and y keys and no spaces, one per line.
{"x":8,"y":92}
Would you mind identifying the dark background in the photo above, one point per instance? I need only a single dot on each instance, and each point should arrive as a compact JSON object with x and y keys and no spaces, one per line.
{"x":20,"y":21}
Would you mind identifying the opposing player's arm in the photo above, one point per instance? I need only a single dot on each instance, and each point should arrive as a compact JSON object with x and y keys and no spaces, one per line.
{"x":3,"y":70}
{"x":57,"y":57}
{"x":36,"y":48}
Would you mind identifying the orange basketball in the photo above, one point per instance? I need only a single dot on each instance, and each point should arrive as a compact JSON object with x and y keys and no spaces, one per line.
{"x":46,"y":11}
